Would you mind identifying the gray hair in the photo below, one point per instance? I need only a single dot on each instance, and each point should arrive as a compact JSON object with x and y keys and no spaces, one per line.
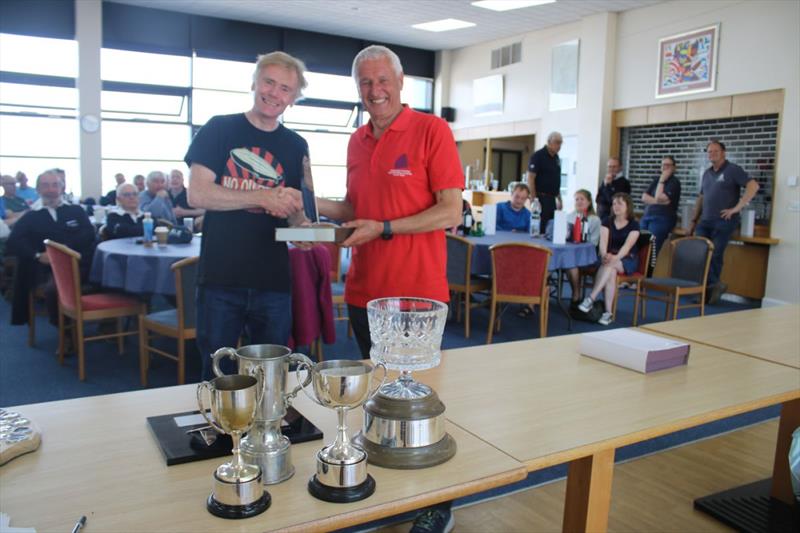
{"x":53,"y":172}
{"x":125,"y":186}
{"x":376,"y":51}
{"x":155,"y":174}
{"x":286,"y":61}
{"x":553,"y":136}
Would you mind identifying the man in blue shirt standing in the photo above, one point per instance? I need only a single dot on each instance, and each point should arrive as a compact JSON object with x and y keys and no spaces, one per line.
{"x":716,"y":213}
{"x":512,"y":215}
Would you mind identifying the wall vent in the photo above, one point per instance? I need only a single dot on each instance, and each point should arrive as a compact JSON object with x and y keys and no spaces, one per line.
{"x":507,"y":55}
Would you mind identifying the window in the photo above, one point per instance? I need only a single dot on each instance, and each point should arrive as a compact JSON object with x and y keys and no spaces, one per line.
{"x":332,"y":119}
{"x":133,"y":140}
{"x":144,"y":68}
{"x":37,"y":55}
{"x":221,"y":74}
{"x":33,"y":166}
{"x":206,"y":104}
{"x":417,"y":93}
{"x":330,"y":87}
{"x":130,"y":168}
{"x":39,"y":99}
{"x":157,"y":107}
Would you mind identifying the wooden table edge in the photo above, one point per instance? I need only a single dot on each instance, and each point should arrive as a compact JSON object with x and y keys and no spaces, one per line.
{"x":567,"y":456}
{"x":718,"y":347}
{"x":420,"y":501}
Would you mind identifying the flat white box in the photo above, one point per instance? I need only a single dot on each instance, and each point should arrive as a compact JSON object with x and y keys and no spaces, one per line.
{"x":313,"y":233}
{"x":490,"y":219}
{"x":559,"y":227}
{"x":634,"y":349}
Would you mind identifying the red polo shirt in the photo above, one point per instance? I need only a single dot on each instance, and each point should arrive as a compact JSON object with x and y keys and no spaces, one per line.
{"x":394,"y":177}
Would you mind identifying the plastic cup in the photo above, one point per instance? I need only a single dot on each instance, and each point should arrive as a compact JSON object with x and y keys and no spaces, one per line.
{"x":161,"y":235}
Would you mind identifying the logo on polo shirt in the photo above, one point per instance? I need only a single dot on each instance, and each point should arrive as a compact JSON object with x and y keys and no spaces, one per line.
{"x":401,"y":167}
{"x":721,"y":177}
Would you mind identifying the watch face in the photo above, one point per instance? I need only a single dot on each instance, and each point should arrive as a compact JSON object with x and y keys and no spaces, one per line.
{"x":90,"y":123}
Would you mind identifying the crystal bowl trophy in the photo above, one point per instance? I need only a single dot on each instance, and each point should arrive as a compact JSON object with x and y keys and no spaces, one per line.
{"x":342,"y":466}
{"x":265,"y":445}
{"x":238,"y":491}
{"x":404,"y":422}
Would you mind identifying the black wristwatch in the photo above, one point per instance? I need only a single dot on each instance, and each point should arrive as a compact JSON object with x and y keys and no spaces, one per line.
{"x":387,"y":230}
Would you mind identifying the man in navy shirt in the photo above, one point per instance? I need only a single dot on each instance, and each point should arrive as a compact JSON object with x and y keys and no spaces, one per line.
{"x":512,"y":215}
{"x":716,"y":213}
{"x":544,"y":177}
{"x":613,"y":182}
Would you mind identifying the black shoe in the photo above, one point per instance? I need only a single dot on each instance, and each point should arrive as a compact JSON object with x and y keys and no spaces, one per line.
{"x":525,"y":312}
{"x":436,"y":520}
{"x":716,"y":293}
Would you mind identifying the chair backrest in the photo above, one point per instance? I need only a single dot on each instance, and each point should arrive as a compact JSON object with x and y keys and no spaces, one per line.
{"x":519,"y":269}
{"x":185,"y":282}
{"x":645,"y":245}
{"x":690,"y":258}
{"x":459,"y":259}
{"x":336,"y":260}
{"x":64,"y":262}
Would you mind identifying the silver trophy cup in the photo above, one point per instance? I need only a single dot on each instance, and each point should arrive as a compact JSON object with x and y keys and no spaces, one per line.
{"x":342,"y":466}
{"x":238,"y":490}
{"x":265,"y":445}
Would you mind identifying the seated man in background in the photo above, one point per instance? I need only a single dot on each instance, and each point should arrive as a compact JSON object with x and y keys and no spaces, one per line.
{"x":155,"y":199}
{"x":24,"y":191}
{"x":138,"y":181}
{"x":111,"y":197}
{"x":125,"y":219}
{"x":12,"y":201}
{"x":177,"y":194}
{"x":50,"y":218}
{"x":512,"y":215}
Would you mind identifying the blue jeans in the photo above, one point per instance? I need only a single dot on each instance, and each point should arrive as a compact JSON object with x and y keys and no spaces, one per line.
{"x":224,"y":313}
{"x":659,"y":226}
{"x":719,"y":231}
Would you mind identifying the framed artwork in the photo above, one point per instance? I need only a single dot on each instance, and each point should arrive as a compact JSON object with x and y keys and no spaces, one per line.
{"x":687,"y":63}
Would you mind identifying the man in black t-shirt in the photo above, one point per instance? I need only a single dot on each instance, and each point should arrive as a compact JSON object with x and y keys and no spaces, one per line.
{"x":544,"y":177}
{"x":245,"y":171}
{"x":613,"y":182}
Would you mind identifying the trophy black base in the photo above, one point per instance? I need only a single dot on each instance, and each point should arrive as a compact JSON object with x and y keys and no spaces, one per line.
{"x":239,"y":511}
{"x":341,"y":494}
{"x":408,"y":458}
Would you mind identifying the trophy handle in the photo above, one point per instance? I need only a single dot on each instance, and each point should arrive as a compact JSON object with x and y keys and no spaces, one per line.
{"x":374,"y":391}
{"x":205,"y":385}
{"x":219,"y":354}
{"x":302,"y":383}
{"x":300,"y":359}
{"x":260,"y":375}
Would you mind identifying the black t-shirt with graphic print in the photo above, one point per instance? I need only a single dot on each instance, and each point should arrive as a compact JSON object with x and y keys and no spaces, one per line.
{"x":238,"y":247}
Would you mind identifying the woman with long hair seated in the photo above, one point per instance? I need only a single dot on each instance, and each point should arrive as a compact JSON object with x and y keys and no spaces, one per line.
{"x":584,"y":208}
{"x":618,"y":236}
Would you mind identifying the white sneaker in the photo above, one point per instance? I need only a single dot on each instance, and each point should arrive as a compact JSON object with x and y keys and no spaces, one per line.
{"x":586,"y":305}
{"x":606,"y":319}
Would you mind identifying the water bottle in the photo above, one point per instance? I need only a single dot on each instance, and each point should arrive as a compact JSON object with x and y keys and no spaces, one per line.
{"x":584,"y":229}
{"x":147,"y":225}
{"x":536,"y":217}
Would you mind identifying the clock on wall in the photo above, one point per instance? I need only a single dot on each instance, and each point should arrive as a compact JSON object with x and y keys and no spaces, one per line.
{"x":90,"y":123}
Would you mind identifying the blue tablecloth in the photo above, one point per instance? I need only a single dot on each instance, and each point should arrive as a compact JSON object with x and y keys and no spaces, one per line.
{"x":123,"y":264}
{"x":567,"y":255}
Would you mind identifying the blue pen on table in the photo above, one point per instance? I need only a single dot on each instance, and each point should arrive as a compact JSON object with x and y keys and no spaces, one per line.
{"x":79,"y":524}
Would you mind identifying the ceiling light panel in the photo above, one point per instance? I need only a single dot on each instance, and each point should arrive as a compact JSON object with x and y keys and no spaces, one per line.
{"x":508,"y":5}
{"x":444,"y":25}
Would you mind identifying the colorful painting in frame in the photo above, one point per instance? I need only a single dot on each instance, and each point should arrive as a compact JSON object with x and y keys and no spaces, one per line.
{"x":687,"y":63}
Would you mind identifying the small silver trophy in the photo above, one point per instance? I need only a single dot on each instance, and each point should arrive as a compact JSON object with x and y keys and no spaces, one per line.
{"x":238,"y":491}
{"x":342,"y":466}
{"x":264,"y":444}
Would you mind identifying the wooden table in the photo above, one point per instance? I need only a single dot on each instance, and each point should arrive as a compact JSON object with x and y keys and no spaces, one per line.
{"x":99,"y":459}
{"x":772,"y":333}
{"x":543,"y":404}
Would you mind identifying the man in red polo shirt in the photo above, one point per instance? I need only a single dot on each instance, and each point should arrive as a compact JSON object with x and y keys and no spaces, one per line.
{"x":404,"y":184}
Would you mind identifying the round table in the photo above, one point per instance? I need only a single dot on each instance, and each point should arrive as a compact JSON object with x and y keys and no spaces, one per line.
{"x":124,"y":264}
{"x":564,"y":256}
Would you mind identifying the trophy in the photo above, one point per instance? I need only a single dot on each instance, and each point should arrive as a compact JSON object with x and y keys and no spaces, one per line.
{"x":238,"y":491}
{"x":265,"y":445}
{"x":404,"y":421}
{"x":342,"y":466}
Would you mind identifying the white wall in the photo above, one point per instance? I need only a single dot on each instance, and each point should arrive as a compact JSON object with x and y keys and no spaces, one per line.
{"x":758,"y":51}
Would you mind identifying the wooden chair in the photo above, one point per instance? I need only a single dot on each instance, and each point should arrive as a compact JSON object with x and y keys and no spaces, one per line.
{"x":80,"y":309}
{"x":519,"y":275}
{"x":646,"y":243}
{"x":460,"y":280}
{"x":691,"y":257}
{"x":178,"y":323}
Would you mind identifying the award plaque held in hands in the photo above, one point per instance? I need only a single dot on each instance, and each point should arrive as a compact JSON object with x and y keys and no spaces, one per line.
{"x":315,"y":231}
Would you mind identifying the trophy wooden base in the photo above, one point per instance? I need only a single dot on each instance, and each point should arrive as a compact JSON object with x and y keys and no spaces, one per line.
{"x":408,"y":458}
{"x":239,"y":511}
{"x":341,"y":494}
{"x":313,"y":233}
